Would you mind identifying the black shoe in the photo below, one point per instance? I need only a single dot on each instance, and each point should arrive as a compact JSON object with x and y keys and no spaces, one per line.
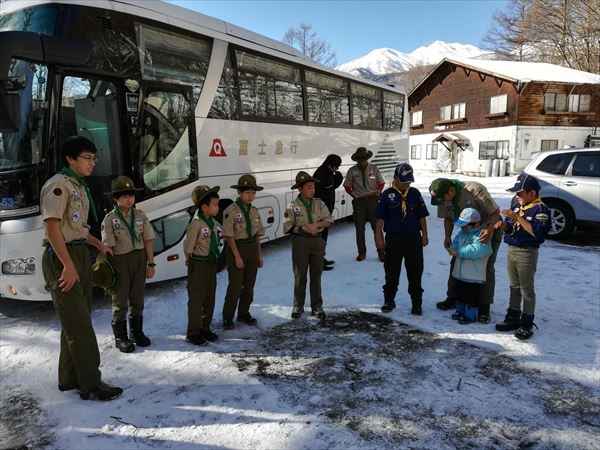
{"x":508,"y":326}
{"x":248,"y":320}
{"x":328,"y":262}
{"x":326,"y":268}
{"x":525,"y":332}
{"x":102,"y":392}
{"x":297,"y":312}
{"x":196,"y":339}
{"x":210,"y":336}
{"x":483,"y":318}
{"x":228,"y":325}
{"x":318,"y":312}
{"x":388,"y":307}
{"x":416,"y":310}
{"x":68,"y":386}
{"x":449,"y":303}
{"x":124,"y":345}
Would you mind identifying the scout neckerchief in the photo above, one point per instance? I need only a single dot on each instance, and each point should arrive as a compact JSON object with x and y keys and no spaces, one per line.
{"x":364,"y":175}
{"x":69,"y":172}
{"x":130,"y":226}
{"x":522,"y":209}
{"x":402,"y":196}
{"x":246,"y":211}
{"x":213,"y":253}
{"x":309,"y":207}
{"x":459,"y":187}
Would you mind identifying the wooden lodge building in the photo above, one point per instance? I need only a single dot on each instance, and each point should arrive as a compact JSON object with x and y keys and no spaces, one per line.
{"x":484,"y":117}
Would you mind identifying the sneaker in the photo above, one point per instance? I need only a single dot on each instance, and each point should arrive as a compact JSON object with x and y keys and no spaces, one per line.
{"x":197,"y":339}
{"x":248,"y":320}
{"x":388,"y":307}
{"x":449,"y":303}
{"x":328,"y":262}
{"x":361,"y":257}
{"x":297,"y":312}
{"x":318,"y":312}
{"x":102,"y":392}
{"x":228,"y":325}
{"x":326,"y":268}
{"x":210,"y":336}
{"x":68,"y":386}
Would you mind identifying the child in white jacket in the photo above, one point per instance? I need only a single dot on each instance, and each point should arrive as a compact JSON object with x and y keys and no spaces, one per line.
{"x":469,"y":268}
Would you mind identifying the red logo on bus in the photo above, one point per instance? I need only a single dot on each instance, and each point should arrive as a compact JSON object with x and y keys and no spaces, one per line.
{"x":217,"y":148}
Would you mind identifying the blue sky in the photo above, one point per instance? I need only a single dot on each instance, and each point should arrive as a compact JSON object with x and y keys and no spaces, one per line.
{"x":353,"y":28}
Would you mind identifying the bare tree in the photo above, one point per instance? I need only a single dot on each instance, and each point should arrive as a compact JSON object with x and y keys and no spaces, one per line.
{"x":305,"y":40}
{"x":564,"y":32}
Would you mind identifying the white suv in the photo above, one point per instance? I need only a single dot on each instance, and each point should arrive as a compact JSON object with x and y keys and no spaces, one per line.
{"x":570,"y":181}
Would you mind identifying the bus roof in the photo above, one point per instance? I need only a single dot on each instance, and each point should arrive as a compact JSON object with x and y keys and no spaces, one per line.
{"x":186,"y":19}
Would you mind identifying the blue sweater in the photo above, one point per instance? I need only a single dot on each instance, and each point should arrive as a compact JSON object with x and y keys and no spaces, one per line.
{"x":472,"y":256}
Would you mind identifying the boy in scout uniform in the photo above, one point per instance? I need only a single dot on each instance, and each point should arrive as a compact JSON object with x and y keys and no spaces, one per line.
{"x":305,"y":218}
{"x":242,"y":229}
{"x":364,"y":183}
{"x":65,"y":203}
{"x":127,"y":231}
{"x":451,"y":197}
{"x":201,"y":248}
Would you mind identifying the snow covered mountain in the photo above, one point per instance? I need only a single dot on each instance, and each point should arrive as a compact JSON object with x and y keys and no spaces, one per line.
{"x":384,"y":61}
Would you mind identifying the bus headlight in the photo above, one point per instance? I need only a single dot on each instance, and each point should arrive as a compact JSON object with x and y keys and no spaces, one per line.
{"x":20,"y":266}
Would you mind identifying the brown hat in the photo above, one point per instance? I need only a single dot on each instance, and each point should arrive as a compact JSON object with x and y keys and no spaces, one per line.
{"x":247,"y":182}
{"x":122,"y":184}
{"x":361,"y":154}
{"x":302,"y":178}
{"x":202,"y":191}
{"x":104,"y":273}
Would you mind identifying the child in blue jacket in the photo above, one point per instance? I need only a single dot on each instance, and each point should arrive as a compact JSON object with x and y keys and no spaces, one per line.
{"x":469,"y":268}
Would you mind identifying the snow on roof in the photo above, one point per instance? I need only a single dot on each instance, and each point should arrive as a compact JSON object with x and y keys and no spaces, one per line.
{"x":528,"y":71}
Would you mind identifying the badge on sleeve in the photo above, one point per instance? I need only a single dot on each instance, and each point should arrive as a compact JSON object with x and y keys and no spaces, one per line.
{"x":297,"y":210}
{"x":57,"y":192}
{"x":75,"y":216}
{"x":116,"y":224}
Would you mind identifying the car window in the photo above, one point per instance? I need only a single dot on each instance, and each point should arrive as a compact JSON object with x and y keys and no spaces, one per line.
{"x":587,"y":165}
{"x":556,"y":164}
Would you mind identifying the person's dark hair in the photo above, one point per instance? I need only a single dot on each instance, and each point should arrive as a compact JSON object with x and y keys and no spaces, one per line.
{"x":75,"y":145}
{"x":207,"y":198}
{"x":333,"y":160}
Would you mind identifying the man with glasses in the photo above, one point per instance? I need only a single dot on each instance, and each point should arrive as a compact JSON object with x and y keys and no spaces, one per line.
{"x":65,"y":202}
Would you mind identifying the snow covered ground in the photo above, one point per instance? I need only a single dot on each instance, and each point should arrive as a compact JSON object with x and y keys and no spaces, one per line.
{"x":359,"y":379}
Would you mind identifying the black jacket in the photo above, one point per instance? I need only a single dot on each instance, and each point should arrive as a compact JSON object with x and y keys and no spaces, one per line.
{"x":329,"y":182}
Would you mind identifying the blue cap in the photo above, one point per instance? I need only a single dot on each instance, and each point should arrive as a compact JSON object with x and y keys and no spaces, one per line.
{"x":467,"y":216}
{"x":525,"y":183}
{"x":404,"y":173}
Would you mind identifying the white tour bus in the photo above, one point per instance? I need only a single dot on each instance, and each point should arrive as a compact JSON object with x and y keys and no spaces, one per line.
{"x":173,"y":99}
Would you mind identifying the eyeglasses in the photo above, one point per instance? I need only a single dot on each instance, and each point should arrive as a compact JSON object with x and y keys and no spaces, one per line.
{"x":89,"y":158}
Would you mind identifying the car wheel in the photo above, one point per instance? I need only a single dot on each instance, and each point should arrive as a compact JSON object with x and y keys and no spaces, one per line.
{"x":563,"y":220}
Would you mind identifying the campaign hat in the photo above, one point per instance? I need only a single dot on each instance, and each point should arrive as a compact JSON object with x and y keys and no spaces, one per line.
{"x":247,"y":182}
{"x":302,"y":178}
{"x":122,"y":184}
{"x":361,"y":154}
{"x":202,"y":191}
{"x":104,"y":273}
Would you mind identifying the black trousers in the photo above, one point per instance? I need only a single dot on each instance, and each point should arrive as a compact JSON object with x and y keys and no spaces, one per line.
{"x":407,"y":247}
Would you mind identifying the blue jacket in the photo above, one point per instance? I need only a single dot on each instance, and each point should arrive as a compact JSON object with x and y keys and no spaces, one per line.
{"x":538,"y":215}
{"x":472,"y":256}
{"x":389,"y":208}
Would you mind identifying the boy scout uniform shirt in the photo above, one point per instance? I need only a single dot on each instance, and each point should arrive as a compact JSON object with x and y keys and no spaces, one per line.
{"x":63,"y":198}
{"x":473,"y":195}
{"x":234,"y":223}
{"x":538,"y":215}
{"x":116,"y":234}
{"x":364,"y":186}
{"x":197,"y":239}
{"x":389,"y":208}
{"x":296,"y":215}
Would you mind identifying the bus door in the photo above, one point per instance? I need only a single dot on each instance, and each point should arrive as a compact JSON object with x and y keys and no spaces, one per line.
{"x":90,"y":107}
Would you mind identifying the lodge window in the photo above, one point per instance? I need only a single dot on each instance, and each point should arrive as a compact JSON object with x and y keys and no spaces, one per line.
{"x":493,"y":149}
{"x":431,"y":151}
{"x":549,"y":144}
{"x":498,"y":104}
{"x":453,"y":112}
{"x":416,"y":118}
{"x":415,"y":151}
{"x":560,"y":102}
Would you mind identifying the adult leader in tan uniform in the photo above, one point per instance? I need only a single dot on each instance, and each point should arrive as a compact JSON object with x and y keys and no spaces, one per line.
{"x":364,"y":183}
{"x":65,"y":203}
